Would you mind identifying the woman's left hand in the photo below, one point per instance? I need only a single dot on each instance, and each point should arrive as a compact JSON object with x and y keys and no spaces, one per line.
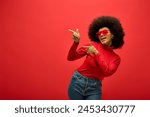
{"x":91,"y":49}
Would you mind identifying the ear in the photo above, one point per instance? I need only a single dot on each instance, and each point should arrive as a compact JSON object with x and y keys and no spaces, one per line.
{"x":112,"y":36}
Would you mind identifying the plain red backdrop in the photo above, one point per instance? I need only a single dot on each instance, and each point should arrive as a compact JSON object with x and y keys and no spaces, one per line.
{"x":34,"y":42}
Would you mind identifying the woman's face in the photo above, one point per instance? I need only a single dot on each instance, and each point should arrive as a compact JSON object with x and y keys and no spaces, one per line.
{"x":105,"y":36}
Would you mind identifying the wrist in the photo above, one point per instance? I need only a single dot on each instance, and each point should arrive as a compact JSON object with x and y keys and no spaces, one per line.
{"x":76,"y":42}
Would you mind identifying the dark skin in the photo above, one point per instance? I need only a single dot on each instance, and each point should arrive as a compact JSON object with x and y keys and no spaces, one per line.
{"x":76,"y":37}
{"x":104,"y":39}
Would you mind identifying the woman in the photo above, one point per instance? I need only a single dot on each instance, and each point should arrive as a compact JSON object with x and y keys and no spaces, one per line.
{"x":106,"y":34}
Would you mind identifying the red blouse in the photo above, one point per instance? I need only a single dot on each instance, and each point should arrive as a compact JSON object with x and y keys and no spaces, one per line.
{"x":98,"y":66}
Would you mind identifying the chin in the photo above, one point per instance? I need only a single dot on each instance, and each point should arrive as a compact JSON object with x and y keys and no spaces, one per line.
{"x":103,"y":43}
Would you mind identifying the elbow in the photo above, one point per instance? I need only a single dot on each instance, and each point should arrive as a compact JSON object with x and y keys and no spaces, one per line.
{"x":109,"y":72}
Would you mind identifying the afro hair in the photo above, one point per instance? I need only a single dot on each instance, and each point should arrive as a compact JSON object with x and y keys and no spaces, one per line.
{"x":114,"y":26}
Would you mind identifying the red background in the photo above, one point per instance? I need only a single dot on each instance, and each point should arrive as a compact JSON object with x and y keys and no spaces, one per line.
{"x":34,"y":41}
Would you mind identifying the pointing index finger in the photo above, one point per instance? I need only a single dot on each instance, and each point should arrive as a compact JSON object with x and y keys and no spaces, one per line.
{"x":85,"y":46}
{"x":77,"y":30}
{"x":71,"y":30}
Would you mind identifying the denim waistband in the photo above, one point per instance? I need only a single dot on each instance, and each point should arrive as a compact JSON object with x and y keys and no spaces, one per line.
{"x":86,"y":78}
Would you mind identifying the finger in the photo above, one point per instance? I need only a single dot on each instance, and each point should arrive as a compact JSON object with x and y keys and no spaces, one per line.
{"x":77,"y":30}
{"x":71,"y":30}
{"x":85,"y":47}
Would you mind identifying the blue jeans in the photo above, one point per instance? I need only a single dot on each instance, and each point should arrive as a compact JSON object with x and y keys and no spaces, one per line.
{"x":83,"y":88}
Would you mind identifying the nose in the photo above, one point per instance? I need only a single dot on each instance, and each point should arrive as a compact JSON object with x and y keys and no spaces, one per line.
{"x":101,"y":35}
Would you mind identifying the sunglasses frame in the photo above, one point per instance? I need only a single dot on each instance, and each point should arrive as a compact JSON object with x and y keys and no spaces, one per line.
{"x":103,"y":32}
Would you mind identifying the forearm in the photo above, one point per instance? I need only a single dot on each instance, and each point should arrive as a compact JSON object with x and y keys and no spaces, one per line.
{"x":75,"y":54}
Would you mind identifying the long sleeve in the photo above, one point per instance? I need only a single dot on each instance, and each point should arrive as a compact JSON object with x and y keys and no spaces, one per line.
{"x":75,"y":53}
{"x":108,"y":62}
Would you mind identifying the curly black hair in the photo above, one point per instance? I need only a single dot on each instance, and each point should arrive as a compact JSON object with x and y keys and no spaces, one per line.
{"x":114,"y":26}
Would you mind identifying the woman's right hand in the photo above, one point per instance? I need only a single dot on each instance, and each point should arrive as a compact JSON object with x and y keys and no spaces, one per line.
{"x":75,"y":35}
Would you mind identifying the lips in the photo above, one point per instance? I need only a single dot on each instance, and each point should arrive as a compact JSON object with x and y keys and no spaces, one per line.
{"x":102,"y":38}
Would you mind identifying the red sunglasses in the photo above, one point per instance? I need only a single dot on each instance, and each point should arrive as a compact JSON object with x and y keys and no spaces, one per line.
{"x":103,"y":32}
